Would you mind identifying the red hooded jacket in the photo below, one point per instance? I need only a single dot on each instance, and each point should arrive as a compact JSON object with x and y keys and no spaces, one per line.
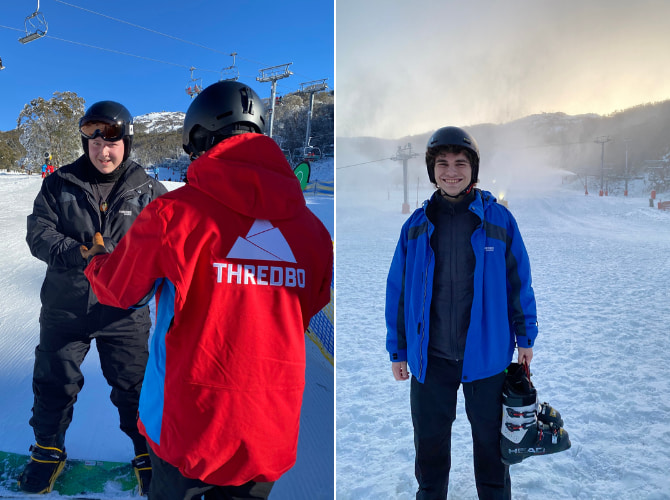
{"x":239,"y":265}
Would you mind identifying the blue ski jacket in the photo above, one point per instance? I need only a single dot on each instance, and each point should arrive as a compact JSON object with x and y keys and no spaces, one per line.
{"x":503,"y":308}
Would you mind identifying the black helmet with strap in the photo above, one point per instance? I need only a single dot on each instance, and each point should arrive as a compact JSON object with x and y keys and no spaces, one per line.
{"x":221,"y":110}
{"x":113,"y":114}
{"x":446,"y":137}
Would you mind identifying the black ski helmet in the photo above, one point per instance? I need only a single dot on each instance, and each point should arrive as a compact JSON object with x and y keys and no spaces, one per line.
{"x":219,"y":111}
{"x":452,"y":136}
{"x":110,"y":111}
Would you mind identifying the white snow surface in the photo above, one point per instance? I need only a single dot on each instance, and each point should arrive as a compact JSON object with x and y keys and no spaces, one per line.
{"x":94,"y":432}
{"x":601,"y":270}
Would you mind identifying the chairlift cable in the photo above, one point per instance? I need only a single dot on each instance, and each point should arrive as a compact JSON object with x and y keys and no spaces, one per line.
{"x":10,"y":28}
{"x":115,"y":51}
{"x":144,"y":57}
{"x":141,"y":27}
{"x":128,"y":54}
{"x":162,"y":34}
{"x":364,"y":163}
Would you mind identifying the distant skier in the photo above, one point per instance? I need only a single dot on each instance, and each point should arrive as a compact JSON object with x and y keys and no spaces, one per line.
{"x":102,"y":191}
{"x":458,"y":300}
{"x":44,"y":171}
{"x":240,"y":265}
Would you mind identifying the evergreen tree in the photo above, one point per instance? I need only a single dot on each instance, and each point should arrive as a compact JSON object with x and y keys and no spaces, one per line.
{"x":51,"y":127}
{"x":10,"y":150}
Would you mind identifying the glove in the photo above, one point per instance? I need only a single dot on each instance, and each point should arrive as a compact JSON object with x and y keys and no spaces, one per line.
{"x":97,"y":248}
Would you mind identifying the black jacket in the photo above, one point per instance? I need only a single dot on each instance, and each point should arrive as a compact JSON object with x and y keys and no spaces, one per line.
{"x":65,"y":216}
{"x":453,"y":281}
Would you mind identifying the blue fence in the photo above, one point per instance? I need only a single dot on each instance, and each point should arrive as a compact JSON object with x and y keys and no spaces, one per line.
{"x":320,"y":188}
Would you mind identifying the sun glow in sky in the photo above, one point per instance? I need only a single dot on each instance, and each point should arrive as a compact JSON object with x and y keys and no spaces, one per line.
{"x":407,"y":68}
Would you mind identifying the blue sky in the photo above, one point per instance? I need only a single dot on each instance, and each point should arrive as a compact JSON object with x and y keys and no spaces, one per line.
{"x":262,"y":33}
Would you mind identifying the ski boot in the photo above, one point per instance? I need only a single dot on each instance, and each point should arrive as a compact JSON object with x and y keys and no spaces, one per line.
{"x":528,"y":428}
{"x":142,"y":467}
{"x":548,"y":415}
{"x":545,"y":414}
{"x":40,"y":474}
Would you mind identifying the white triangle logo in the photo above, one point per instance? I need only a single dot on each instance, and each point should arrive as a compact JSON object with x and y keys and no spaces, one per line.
{"x":263,"y":242}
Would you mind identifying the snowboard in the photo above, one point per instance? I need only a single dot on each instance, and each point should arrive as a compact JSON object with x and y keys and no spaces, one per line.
{"x":80,"y":479}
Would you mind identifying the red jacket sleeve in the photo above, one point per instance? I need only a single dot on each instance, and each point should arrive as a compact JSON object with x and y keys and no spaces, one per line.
{"x":125,"y":276}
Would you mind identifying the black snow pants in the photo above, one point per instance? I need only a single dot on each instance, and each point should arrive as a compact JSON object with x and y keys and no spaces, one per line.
{"x":433,"y":406}
{"x":167,"y":483}
{"x":57,"y":378}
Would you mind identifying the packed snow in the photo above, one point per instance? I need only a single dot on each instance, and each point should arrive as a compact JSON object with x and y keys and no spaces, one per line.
{"x":94,"y":432}
{"x":601,"y":271}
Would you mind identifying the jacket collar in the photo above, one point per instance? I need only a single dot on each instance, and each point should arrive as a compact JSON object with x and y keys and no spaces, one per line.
{"x":79,"y":173}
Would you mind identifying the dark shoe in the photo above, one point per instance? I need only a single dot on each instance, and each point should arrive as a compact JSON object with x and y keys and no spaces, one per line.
{"x":142,"y":467}
{"x":46,"y":464}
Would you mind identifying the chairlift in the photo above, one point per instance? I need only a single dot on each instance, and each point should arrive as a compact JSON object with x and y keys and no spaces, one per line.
{"x":194,"y":85}
{"x":307,"y":153}
{"x":230,"y":73}
{"x":1,"y":66}
{"x":35,"y":26}
{"x":311,"y":152}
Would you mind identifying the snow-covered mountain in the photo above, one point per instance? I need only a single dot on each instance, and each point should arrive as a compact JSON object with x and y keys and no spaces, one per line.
{"x":158,"y":122}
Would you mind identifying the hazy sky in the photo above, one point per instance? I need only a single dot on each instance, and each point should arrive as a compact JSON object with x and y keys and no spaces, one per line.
{"x":410,"y":67}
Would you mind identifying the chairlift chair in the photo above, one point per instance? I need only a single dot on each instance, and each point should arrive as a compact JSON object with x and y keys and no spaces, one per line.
{"x":35,"y":26}
{"x":230,"y":73}
{"x":194,"y":85}
{"x":1,"y":66}
{"x":313,"y":153}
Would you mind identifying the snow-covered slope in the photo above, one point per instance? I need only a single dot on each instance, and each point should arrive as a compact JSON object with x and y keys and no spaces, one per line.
{"x":601,"y":271}
{"x":94,"y":433}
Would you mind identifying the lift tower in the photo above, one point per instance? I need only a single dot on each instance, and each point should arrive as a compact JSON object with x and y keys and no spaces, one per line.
{"x":273,"y":74}
{"x":602,"y":140}
{"x":403,"y":154}
{"x":311,"y":88}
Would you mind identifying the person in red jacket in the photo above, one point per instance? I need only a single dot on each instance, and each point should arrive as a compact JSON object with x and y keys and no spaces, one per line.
{"x":239,"y":266}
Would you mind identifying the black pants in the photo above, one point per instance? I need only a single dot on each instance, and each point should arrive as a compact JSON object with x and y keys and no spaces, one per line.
{"x":57,"y":380}
{"x":167,"y":483}
{"x":433,"y":412}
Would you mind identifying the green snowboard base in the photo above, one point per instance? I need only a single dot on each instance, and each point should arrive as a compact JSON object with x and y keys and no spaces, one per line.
{"x":89,"y":479}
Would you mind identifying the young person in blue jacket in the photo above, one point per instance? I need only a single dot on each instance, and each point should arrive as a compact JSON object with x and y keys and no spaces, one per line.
{"x":458,"y":301}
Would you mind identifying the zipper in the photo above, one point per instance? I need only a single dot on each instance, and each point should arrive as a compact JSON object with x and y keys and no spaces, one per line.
{"x":453,"y":336}
{"x":422,"y":326}
{"x":96,"y":209}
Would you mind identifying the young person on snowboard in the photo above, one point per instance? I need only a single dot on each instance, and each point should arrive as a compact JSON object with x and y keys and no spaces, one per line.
{"x":458,"y":301}
{"x":239,"y":265}
{"x":101,"y":192}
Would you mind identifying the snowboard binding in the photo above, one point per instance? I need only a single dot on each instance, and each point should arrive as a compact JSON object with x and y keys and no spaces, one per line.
{"x":528,"y":428}
{"x":142,"y":467}
{"x":40,"y":474}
